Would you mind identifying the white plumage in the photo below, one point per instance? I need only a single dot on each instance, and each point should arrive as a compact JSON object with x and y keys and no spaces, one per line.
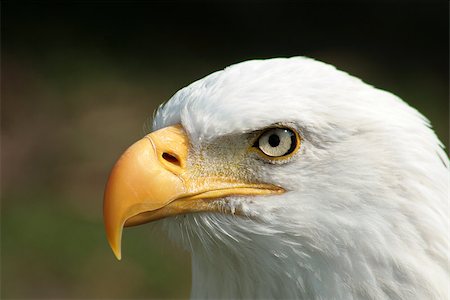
{"x":366,"y":212}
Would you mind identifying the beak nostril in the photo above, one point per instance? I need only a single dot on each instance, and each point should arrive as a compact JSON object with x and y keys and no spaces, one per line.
{"x":171,"y":159}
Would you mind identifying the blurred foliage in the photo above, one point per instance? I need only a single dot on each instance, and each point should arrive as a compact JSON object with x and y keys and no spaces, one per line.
{"x":80,"y":82}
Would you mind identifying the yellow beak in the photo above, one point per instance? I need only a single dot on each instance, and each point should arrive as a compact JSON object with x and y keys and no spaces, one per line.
{"x":151,"y":181}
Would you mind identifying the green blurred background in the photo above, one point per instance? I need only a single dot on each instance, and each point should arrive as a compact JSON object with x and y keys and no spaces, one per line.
{"x":80,"y":82}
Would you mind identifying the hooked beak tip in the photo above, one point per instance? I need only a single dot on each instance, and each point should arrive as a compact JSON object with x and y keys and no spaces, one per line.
{"x":118,"y":254}
{"x":116,"y":250}
{"x":114,"y":236}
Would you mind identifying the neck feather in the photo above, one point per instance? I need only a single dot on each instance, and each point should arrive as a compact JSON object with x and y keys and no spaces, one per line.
{"x":240,"y":259}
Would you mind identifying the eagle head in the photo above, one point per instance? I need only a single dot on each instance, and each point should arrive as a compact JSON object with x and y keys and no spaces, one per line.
{"x":287,"y":178}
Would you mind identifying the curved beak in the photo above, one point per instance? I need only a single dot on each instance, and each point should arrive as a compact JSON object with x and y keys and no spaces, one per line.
{"x":151,"y":181}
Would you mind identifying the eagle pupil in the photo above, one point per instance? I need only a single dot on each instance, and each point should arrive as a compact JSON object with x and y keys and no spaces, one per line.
{"x":274,"y":140}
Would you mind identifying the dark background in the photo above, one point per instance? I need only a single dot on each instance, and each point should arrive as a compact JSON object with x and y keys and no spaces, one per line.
{"x":80,"y":82}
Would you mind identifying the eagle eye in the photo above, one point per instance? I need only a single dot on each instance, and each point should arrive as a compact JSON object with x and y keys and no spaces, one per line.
{"x":277,"y":142}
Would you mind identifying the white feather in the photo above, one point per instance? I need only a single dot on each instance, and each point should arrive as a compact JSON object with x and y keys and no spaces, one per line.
{"x":366,"y":215}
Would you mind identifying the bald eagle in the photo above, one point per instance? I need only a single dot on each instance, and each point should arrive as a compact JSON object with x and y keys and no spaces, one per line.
{"x":287,"y":178}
